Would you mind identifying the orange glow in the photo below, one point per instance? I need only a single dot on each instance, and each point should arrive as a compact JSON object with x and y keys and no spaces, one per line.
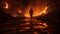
{"x":28,"y":23}
{"x":42,"y":26}
{"x":39,"y":23}
{"x":44,"y":11}
{"x":14,"y":15}
{"x":19,"y":11}
{"x":6,"y":5}
{"x":27,"y":19}
{"x":25,"y":24}
{"x":35,"y":33}
{"x":38,"y":12}
{"x":26,"y":28}
{"x":27,"y":14}
{"x":21,"y":30}
{"x":45,"y":25}
{"x":39,"y":26}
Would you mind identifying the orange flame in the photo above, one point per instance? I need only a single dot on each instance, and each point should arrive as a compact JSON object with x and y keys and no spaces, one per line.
{"x":6,"y":5}
{"x":27,"y":14}
{"x":36,"y":12}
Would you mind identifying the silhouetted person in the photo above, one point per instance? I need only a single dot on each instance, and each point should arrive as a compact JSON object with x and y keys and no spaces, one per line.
{"x":31,"y":12}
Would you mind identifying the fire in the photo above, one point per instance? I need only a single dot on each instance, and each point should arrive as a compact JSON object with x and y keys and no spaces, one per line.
{"x":6,"y":5}
{"x":36,"y":12}
{"x":44,"y":11}
{"x":27,"y":14}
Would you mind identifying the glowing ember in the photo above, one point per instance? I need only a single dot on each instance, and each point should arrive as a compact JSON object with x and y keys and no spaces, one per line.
{"x":6,"y":5}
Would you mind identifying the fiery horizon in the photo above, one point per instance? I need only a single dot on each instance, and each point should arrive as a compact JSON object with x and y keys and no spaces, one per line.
{"x":36,"y":12}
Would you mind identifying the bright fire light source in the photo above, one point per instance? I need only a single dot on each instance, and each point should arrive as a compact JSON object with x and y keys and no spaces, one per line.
{"x":27,"y":14}
{"x":6,"y":5}
{"x":38,"y":13}
{"x":44,"y":11}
